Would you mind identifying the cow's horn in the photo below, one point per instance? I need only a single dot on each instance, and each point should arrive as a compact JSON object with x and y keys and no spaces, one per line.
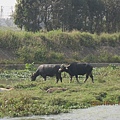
{"x":68,"y":65}
{"x":62,"y":65}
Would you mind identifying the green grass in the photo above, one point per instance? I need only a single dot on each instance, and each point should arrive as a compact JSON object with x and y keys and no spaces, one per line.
{"x":31,"y":98}
{"x":58,"y":47}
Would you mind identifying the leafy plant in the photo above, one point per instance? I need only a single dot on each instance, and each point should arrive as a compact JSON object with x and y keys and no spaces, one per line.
{"x":29,"y":66}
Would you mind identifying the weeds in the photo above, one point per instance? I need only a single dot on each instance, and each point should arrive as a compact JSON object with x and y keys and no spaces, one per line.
{"x":31,"y":98}
{"x":29,"y":66}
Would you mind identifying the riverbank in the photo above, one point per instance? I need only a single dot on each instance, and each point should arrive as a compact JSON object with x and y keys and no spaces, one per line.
{"x":103,"y":112}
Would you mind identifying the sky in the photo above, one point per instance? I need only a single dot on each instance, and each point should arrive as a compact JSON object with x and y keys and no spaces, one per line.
{"x":6,"y":8}
{"x":7,"y":2}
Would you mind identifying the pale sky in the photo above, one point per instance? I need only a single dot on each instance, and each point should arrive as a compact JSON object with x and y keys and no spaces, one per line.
{"x":6,"y":8}
{"x":7,"y":2}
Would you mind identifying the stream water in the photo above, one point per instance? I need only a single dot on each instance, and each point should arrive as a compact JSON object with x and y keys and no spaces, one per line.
{"x":103,"y":112}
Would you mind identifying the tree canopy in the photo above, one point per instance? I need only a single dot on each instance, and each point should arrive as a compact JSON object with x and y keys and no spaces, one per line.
{"x":84,"y":15}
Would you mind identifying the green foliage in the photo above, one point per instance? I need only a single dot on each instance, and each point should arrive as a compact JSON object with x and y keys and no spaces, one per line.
{"x":15,"y":75}
{"x":101,"y":96}
{"x":9,"y":40}
{"x":54,"y":57}
{"x":87,"y":40}
{"x":94,"y":16}
{"x":109,"y":39}
{"x":103,"y":57}
{"x":113,"y":66}
{"x":31,"y":98}
{"x":29,"y":66}
{"x":26,"y":15}
{"x":24,"y":55}
{"x":59,"y":47}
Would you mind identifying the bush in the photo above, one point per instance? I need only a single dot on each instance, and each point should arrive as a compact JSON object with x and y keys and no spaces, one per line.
{"x":25,"y":54}
{"x":9,"y":40}
{"x":102,"y":57}
{"x":40,"y":55}
{"x":109,"y":39}
{"x":29,"y":66}
{"x":55,"y":57}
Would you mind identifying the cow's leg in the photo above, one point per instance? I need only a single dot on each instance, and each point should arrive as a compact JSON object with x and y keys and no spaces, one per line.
{"x":86,"y":78}
{"x":77,"y":78}
{"x":44,"y":78}
{"x":60,"y":78}
{"x":70,"y":78}
{"x":57,"y":79}
{"x":92,"y":77}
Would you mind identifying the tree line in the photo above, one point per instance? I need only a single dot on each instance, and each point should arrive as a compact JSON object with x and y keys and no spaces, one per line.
{"x":94,"y":16}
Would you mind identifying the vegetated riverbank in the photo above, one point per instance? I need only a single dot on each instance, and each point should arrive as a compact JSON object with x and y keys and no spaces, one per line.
{"x":33,"y":98}
{"x":102,"y":112}
{"x":58,"y":47}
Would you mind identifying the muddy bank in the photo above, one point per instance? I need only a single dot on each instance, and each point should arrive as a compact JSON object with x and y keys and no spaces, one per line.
{"x":108,"y":112}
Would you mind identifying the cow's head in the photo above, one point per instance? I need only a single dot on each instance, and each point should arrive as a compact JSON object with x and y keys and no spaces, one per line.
{"x":33,"y":77}
{"x":63,"y":68}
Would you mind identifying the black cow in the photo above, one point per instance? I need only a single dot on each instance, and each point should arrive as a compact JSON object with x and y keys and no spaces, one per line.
{"x":47,"y":70}
{"x":75,"y":69}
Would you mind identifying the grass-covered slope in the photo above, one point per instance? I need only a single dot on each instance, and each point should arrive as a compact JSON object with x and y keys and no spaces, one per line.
{"x":58,"y":47}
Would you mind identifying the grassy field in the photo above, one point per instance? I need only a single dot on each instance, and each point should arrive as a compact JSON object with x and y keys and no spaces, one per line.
{"x":46,"y":97}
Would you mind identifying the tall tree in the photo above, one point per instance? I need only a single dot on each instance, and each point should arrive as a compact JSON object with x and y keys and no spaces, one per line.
{"x":112,"y":11}
{"x":86,"y":15}
{"x":27,"y":14}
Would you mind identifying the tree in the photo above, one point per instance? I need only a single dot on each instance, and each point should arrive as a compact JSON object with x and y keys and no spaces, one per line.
{"x":94,"y":16}
{"x":112,"y":11}
{"x":27,"y":15}
{"x":18,"y":19}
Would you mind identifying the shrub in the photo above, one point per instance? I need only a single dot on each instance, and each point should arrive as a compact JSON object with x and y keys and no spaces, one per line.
{"x":29,"y":66}
{"x":109,"y":39}
{"x":9,"y":40}
{"x":55,"y":57}
{"x":40,"y":55}
{"x":25,"y":54}
{"x":87,"y":40}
